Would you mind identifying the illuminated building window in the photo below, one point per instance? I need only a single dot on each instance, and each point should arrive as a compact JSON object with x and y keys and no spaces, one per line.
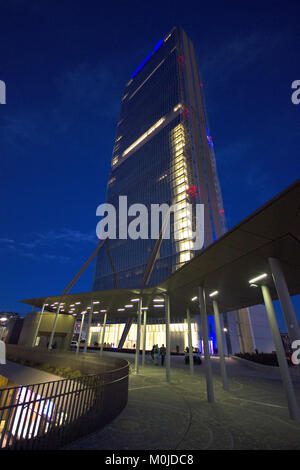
{"x":182,"y":228}
{"x":143,"y":83}
{"x":162,"y":177}
{"x":169,"y":35}
{"x":185,"y":256}
{"x":111,"y":181}
{"x":181,"y":197}
{"x":179,"y":106}
{"x":115,"y":160}
{"x":155,"y":334}
{"x":144,"y":136}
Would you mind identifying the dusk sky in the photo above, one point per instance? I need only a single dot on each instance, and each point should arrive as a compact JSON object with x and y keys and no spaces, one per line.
{"x":65,"y":64}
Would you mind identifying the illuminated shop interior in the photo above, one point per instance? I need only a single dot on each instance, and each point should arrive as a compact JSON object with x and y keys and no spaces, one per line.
{"x":155,"y":334}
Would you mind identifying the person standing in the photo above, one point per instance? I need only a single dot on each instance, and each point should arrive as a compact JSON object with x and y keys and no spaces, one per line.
{"x":163,"y":352}
{"x":152,"y":352}
{"x":156,"y":354}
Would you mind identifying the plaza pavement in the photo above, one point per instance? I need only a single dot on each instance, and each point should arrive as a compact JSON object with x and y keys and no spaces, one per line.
{"x":177,"y":416}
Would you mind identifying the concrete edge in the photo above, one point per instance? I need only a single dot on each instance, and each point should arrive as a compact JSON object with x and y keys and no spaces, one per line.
{"x":264,"y":368}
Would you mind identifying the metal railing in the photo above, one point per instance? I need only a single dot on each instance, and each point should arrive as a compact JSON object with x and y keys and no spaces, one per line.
{"x":51,"y":414}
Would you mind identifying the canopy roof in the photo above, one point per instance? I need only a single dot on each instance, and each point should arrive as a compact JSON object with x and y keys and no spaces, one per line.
{"x":227,"y":265}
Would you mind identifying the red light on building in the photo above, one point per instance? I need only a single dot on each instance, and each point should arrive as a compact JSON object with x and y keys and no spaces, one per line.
{"x":181,"y":61}
{"x":192,"y":190}
{"x":185,"y":112}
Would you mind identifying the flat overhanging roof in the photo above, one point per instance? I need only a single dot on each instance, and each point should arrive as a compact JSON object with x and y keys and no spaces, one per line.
{"x":227,"y":265}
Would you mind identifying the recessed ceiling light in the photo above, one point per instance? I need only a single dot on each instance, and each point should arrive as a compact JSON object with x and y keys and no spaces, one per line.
{"x":213,"y":294}
{"x":258,"y":278}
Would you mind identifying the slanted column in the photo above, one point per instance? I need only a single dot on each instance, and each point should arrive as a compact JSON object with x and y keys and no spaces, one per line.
{"x":168,"y":352}
{"x":38,"y":326}
{"x":144,"y":338}
{"x":285,"y":374}
{"x":138,"y":338}
{"x":80,"y":332}
{"x":207,"y":363}
{"x":103,"y":334}
{"x":190,"y":342}
{"x":220,"y":345}
{"x":53,"y":328}
{"x":88,"y":326}
{"x":285,"y":300}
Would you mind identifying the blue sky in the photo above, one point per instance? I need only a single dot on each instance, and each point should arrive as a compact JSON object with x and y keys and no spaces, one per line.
{"x":65,"y":64}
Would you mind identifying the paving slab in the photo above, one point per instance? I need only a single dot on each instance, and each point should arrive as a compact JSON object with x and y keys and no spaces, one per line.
{"x":177,"y":416}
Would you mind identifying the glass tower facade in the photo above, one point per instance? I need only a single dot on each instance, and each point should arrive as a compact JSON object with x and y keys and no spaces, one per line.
{"x":163,"y":153}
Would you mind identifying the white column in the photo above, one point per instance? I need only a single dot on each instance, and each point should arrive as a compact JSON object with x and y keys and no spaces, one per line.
{"x":144,"y":338}
{"x":80,"y":332}
{"x":207,"y":363}
{"x":53,"y":329}
{"x":2,"y":332}
{"x":38,"y":326}
{"x":88,"y":326}
{"x":103,"y":334}
{"x":285,"y":300}
{"x":220,"y":345}
{"x":190,"y":342}
{"x":285,"y":374}
{"x":138,"y":337}
{"x":168,"y":352}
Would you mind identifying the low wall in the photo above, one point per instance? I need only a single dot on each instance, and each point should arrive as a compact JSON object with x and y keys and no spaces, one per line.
{"x":87,"y":363}
{"x":294,"y":371}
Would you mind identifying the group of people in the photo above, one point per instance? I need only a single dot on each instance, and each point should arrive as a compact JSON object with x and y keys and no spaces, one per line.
{"x":157,"y":353}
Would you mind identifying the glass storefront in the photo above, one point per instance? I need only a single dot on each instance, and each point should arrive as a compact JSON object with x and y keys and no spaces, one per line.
{"x":155,"y":334}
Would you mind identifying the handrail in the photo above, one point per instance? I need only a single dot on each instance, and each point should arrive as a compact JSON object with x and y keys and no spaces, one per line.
{"x":50,"y":414}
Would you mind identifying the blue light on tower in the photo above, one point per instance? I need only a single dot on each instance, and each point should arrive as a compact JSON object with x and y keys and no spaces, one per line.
{"x":146,"y":60}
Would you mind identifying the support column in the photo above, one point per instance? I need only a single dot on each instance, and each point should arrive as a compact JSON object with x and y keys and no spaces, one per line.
{"x":207,"y":363}
{"x":227,"y":336}
{"x":190,"y":342}
{"x":285,"y":300}
{"x":38,"y":326}
{"x":168,"y":352}
{"x":53,"y":329}
{"x":88,"y":326}
{"x":138,"y":338}
{"x":239,"y":330}
{"x":80,"y":332}
{"x":144,"y":338}
{"x":285,"y":374}
{"x":103,"y":334}
{"x":220,"y":345}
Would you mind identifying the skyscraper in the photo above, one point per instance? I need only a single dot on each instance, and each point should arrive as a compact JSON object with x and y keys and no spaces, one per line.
{"x":163,"y":153}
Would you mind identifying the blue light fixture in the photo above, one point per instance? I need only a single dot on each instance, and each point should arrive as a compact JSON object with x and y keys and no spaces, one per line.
{"x":142,"y":65}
